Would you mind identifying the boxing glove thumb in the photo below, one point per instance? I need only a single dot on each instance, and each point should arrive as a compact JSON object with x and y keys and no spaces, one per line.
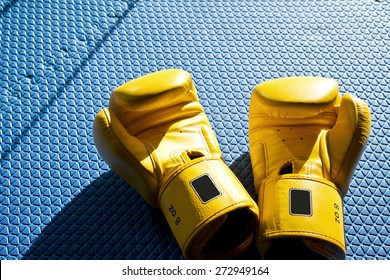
{"x":346,"y":141}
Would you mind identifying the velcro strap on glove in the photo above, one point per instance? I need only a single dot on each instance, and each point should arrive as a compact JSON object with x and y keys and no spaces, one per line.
{"x":209,"y":212}
{"x":302,"y":207}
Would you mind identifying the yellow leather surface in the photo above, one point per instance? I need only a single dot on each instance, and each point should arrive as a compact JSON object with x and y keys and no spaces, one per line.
{"x":324,"y":223}
{"x":153,"y":133}
{"x":126,"y":155}
{"x":295,"y":97}
{"x":155,"y":129}
{"x":193,"y":229}
{"x":347,"y":139}
{"x":301,"y":128}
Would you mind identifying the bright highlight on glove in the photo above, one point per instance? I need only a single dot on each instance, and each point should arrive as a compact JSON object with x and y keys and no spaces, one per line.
{"x":156,"y":136}
{"x":305,"y":142}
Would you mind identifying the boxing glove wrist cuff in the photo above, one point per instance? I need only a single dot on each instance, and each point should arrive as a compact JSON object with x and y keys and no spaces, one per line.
{"x":205,"y":206}
{"x":303,"y":207}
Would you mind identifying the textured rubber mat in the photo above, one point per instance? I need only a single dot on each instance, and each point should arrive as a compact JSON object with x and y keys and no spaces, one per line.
{"x":60,"y":59}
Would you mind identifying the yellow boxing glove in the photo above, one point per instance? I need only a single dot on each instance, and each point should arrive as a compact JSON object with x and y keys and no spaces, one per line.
{"x":157,"y":137}
{"x":305,"y":141}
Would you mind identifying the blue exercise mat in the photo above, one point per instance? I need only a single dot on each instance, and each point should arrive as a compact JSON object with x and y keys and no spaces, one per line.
{"x":60,"y":60}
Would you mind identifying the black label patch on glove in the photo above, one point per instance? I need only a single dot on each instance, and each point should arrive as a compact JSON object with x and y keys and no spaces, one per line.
{"x":205,"y":188}
{"x":300,"y":202}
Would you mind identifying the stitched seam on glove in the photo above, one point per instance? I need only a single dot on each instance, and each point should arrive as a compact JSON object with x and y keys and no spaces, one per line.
{"x":273,"y":233}
{"x":127,"y":152}
{"x":160,"y":112}
{"x":173,"y":173}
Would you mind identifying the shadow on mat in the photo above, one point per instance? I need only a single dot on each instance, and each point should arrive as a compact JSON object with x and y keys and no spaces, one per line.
{"x":110,"y":220}
{"x":242,"y":168}
{"x":106,"y":220}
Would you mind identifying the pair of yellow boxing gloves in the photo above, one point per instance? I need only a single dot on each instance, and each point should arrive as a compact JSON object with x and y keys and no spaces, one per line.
{"x":305,"y":141}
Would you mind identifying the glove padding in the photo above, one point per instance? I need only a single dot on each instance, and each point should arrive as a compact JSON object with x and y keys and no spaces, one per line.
{"x":156,"y":136}
{"x":305,"y":142}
